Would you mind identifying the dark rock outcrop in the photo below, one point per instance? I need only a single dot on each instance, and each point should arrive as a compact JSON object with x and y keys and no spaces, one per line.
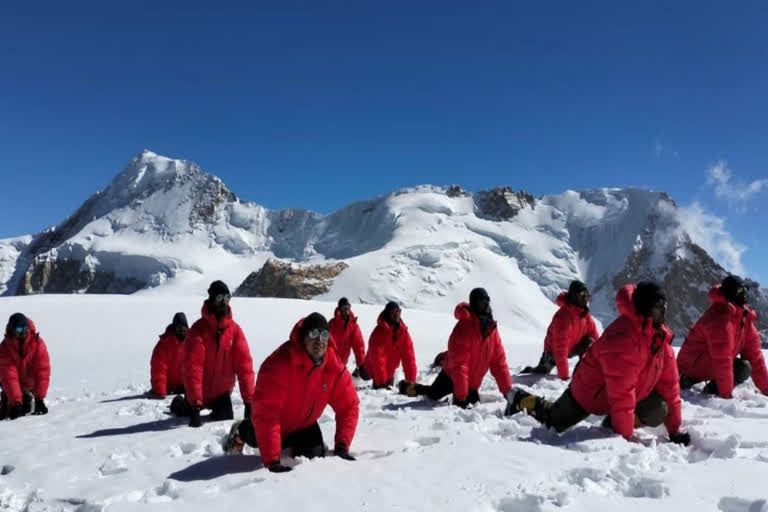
{"x":285,"y":280}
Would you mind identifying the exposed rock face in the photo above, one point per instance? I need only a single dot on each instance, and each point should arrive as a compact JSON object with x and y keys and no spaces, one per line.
{"x":281,"y":279}
{"x":455,"y":191}
{"x":503,"y":203}
{"x":67,"y":276}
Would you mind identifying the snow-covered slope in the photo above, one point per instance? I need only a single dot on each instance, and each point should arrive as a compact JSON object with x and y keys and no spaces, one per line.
{"x":164,"y":226}
{"x":104,"y":448}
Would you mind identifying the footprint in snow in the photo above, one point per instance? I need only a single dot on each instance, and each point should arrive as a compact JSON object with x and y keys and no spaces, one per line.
{"x":420,"y":442}
{"x":732,"y":504}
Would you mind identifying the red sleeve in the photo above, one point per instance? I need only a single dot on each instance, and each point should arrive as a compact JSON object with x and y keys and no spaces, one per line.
{"x":159,"y":370}
{"x":358,"y":345}
{"x":562,"y":332}
{"x":268,"y":402}
{"x":753,"y":353}
{"x":668,"y":387}
{"x":194,"y":361}
{"x":592,"y":328}
{"x":42,"y":369}
{"x":243,"y":365}
{"x":458,"y":352}
{"x":408,"y":357}
{"x":377,"y":357}
{"x":499,"y":367}
{"x":620,"y":369}
{"x":720,"y":340}
{"x":9,"y":376}
{"x":346,"y":405}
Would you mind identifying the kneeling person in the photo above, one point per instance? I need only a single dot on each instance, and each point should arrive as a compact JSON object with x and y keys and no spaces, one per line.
{"x":293,"y":387}
{"x":473,"y":348}
{"x":166,"y":365}
{"x":628,"y":374}
{"x":25,"y":369}
{"x":569,"y":334}
{"x":723,"y":346}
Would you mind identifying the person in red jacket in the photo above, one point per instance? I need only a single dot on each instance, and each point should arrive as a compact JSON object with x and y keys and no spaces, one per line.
{"x":390,"y":345}
{"x":25,"y":369}
{"x":295,"y":384}
{"x":571,"y":331}
{"x":167,"y":357}
{"x":723,"y":346}
{"x":215,"y":351}
{"x":629,"y":373}
{"x":473,"y":348}
{"x":346,"y":334}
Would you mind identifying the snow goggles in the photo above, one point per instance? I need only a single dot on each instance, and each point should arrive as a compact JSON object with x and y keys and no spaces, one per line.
{"x":222,"y":297}
{"x":323,"y":334}
{"x":20,"y":329}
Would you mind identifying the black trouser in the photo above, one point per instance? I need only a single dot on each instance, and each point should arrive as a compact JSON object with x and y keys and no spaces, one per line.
{"x":443,"y":386}
{"x":307,"y":442}
{"x":547,"y":361}
{"x":742,"y":370}
{"x":566,"y":412}
{"x":26,"y":403}
{"x":221,"y":408}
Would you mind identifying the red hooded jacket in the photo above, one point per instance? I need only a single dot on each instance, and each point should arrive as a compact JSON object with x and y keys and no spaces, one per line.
{"x":470,"y":354}
{"x":629,"y":361}
{"x":26,"y":367}
{"x":723,"y":332}
{"x":347,"y":337}
{"x":167,"y":363}
{"x":387,"y":348}
{"x":212,"y":360}
{"x":292,"y":392}
{"x":569,"y":325}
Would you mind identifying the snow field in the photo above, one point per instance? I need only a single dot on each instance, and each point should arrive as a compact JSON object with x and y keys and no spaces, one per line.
{"x":104,"y":448}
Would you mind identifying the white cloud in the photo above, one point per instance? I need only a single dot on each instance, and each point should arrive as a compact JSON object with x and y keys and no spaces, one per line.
{"x":709,"y":232}
{"x":736,"y":193}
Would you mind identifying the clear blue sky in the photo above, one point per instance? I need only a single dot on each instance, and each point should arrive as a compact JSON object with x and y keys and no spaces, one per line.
{"x":294,"y":104}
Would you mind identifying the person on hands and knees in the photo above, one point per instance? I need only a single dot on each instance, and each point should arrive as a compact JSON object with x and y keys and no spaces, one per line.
{"x":166,"y":365}
{"x":473,"y":348}
{"x":25,"y":369}
{"x":570,"y":333}
{"x":215,"y":352}
{"x":723,"y":346}
{"x":346,"y":334}
{"x":628,"y":374}
{"x":294,"y":386}
{"x":389,"y":346}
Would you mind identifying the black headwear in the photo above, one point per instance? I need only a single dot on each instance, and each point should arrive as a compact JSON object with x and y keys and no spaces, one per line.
{"x":312,"y":321}
{"x":16,"y":320}
{"x":218,"y":288}
{"x":730,"y":287}
{"x":477,"y":296}
{"x":647,"y":294}
{"x":180,"y":319}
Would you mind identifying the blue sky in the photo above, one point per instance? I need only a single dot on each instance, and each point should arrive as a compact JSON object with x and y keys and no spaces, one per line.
{"x":297,"y":104}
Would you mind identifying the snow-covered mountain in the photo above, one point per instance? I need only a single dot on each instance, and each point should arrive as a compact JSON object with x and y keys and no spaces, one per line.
{"x":165,"y":226}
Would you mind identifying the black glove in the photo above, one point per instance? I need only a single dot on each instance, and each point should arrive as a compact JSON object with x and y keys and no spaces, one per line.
{"x":276,"y":467}
{"x":683,"y":438}
{"x":15,"y":411}
{"x":194,"y":418}
{"x":40,"y":407}
{"x":247,"y":413}
{"x":340,"y":450}
{"x":460,"y":403}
